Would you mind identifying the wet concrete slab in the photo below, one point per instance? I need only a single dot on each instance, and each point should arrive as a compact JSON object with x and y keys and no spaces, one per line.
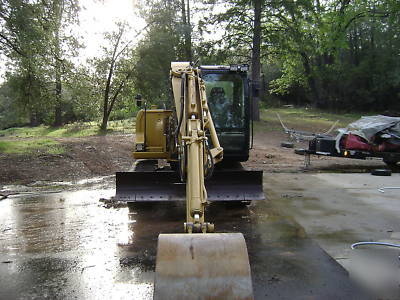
{"x":67,"y":245}
{"x":337,"y":210}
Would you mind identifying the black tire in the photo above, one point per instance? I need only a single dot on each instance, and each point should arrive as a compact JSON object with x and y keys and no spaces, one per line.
{"x":300,"y":151}
{"x":381,"y":172}
{"x":287,"y":145}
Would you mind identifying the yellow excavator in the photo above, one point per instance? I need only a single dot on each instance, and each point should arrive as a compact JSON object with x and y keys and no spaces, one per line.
{"x":210,"y":104}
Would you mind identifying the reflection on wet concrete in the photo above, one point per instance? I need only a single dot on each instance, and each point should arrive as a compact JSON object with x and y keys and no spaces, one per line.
{"x":66,"y":245}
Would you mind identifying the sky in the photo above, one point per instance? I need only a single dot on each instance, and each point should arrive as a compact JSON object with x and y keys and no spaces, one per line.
{"x":99,"y":16}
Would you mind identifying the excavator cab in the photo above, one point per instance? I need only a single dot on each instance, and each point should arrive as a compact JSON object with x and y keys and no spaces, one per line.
{"x":227,"y":89}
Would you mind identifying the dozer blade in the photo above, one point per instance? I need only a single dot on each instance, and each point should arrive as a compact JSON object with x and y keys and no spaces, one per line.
{"x":238,"y":185}
{"x":202,"y":266}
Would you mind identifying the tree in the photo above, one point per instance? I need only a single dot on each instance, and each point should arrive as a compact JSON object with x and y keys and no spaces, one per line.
{"x":61,"y":14}
{"x":167,"y":38}
{"x":243,"y":39}
{"x":187,"y":29}
{"x":113,"y":71}
{"x":82,"y":95}
{"x":256,"y":59}
{"x":22,"y":40}
{"x":33,"y":37}
{"x":321,"y":50}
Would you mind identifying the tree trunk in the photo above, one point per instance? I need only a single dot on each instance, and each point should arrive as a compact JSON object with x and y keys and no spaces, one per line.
{"x":187,"y":29}
{"x":104,"y":123}
{"x":33,"y":118}
{"x":255,"y":61}
{"x":311,"y":81}
{"x":105,"y":109}
{"x":58,"y":8}
{"x":107,"y":96}
{"x":58,"y":104}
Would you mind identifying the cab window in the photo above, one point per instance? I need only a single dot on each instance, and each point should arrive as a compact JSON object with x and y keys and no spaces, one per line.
{"x":225,"y":98}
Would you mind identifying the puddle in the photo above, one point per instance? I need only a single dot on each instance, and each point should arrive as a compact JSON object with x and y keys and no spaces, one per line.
{"x":66,"y":245}
{"x":38,"y":188}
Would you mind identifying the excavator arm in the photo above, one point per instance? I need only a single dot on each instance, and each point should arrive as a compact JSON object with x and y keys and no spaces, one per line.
{"x":194,"y":119}
{"x":198,"y":264}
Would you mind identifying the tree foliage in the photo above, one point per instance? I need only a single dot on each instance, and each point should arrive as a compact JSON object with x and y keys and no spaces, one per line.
{"x":167,"y":38}
{"x":336,"y":54}
{"x":35,"y":39}
{"x":339,"y":52}
{"x":113,"y":71}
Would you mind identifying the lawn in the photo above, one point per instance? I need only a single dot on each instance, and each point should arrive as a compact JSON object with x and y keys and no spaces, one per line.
{"x":42,"y":139}
{"x":303,"y":119}
{"x":30,"y":146}
{"x":70,"y":130}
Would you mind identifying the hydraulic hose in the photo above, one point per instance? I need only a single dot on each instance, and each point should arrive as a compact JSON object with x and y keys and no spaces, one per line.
{"x":178,"y":128}
{"x":182,"y":108}
{"x":375,"y":243}
{"x":210,"y":170}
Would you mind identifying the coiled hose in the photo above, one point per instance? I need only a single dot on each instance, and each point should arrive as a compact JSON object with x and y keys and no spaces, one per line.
{"x":375,"y":243}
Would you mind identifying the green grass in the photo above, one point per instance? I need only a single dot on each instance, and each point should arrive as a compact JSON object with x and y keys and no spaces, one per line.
{"x":303,"y":119}
{"x":30,"y":146}
{"x":41,"y":139}
{"x":70,"y":130}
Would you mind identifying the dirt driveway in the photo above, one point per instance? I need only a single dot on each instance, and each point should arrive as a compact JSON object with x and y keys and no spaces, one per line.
{"x":86,"y":157}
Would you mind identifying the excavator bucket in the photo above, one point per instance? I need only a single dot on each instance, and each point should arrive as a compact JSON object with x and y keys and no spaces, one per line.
{"x":202,"y":266}
{"x":143,"y":186}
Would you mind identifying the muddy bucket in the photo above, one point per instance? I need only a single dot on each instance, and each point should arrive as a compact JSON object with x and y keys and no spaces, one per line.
{"x":202,"y":266}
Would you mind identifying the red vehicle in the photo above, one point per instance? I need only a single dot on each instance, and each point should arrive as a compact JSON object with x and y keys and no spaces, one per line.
{"x":372,"y":136}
